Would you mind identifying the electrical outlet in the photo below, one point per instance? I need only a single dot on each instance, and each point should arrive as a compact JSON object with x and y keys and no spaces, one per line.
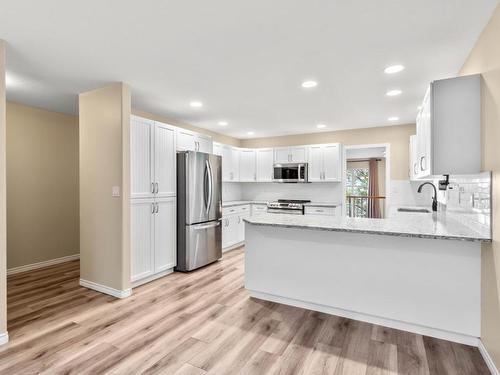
{"x":115,"y":191}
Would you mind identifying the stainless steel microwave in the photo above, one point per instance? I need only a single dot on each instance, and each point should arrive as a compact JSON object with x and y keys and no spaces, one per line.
{"x":290,"y":172}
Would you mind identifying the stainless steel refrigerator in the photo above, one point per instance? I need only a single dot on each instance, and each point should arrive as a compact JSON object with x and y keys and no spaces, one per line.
{"x":199,"y":209}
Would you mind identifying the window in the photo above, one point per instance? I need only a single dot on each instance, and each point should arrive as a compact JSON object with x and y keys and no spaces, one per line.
{"x":357,"y":186}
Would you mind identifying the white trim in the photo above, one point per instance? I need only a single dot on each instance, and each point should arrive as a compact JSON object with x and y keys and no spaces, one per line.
{"x":106,"y":289}
{"x":4,"y":338}
{"x":45,"y":263}
{"x":409,"y":327}
{"x":145,"y":280}
{"x":487,"y":358}
{"x":233,"y":247}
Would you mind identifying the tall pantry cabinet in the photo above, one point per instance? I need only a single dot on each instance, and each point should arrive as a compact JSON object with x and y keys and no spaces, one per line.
{"x":153,"y":199}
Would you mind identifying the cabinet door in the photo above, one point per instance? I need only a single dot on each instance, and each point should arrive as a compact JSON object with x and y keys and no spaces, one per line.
{"x":227,"y":163}
{"x":298,"y":154}
{"x":235,"y":164}
{"x":247,"y":170}
{"x":241,"y":227}
{"x":412,"y":158}
{"x":164,"y":160}
{"x":185,"y":140}
{"x":165,"y":250}
{"x":141,"y":166}
{"x":226,"y":232}
{"x":265,"y":165}
{"x":204,"y":143}
{"x":142,"y":258}
{"x":282,"y":155}
{"x":425,"y":161}
{"x":217,"y":149}
{"x":315,"y":163}
{"x":332,"y":161}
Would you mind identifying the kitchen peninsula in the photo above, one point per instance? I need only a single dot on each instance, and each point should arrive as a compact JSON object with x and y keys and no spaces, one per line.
{"x":415,"y":272}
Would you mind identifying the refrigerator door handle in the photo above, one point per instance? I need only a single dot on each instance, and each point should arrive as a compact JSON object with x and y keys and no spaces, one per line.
{"x":210,"y":187}
{"x":206,"y":226}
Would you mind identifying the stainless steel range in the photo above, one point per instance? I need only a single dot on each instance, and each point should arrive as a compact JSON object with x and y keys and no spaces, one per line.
{"x":287,"y":206}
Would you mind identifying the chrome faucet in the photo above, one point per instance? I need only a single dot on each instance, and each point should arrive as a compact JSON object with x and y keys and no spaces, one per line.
{"x":434,"y":198}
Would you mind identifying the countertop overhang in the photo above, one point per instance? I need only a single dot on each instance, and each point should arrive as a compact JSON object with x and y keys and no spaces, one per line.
{"x":443,"y":225}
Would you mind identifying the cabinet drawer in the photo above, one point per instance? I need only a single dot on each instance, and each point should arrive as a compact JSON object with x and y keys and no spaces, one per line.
{"x":319,"y":211}
{"x":235,"y":210}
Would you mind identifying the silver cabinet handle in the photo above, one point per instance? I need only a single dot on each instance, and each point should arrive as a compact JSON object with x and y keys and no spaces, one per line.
{"x":422,"y":158}
{"x":152,"y":187}
{"x":239,"y":219}
{"x":157,"y":208}
{"x":156,"y":188}
{"x":152,"y":208}
{"x":415,"y":171}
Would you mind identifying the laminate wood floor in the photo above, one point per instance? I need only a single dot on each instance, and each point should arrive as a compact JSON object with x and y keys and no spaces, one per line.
{"x":198,"y":323}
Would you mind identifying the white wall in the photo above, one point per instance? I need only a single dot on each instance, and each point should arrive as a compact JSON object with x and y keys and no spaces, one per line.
{"x":316,"y":192}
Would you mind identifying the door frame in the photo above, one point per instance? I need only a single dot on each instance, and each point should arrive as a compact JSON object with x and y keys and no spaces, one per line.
{"x":387,"y":147}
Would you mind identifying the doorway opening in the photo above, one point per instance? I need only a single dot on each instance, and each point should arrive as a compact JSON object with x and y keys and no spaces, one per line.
{"x":367,"y":180}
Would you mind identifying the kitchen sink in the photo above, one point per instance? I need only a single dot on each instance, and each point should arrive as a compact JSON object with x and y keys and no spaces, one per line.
{"x":417,"y":210}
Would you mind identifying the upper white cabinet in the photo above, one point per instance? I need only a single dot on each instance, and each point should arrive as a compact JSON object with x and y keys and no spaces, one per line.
{"x":152,"y":158}
{"x":188,"y":140}
{"x":448,"y":137}
{"x":217,"y":148}
{"x":248,"y":165}
{"x":295,"y":154}
{"x":230,"y":163}
{"x":325,"y":163}
{"x":413,"y":158}
{"x":264,"y":163}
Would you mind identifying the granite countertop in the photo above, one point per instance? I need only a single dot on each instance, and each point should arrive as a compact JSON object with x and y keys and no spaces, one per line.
{"x":423,"y":225}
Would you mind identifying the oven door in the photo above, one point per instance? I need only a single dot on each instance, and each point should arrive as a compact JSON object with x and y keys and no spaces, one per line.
{"x":290,"y":172}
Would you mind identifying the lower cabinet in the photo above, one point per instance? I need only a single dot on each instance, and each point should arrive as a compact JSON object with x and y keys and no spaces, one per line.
{"x":153,"y":237}
{"x":233,"y":225}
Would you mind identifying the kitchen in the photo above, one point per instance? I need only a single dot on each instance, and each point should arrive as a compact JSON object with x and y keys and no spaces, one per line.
{"x":296,"y":218}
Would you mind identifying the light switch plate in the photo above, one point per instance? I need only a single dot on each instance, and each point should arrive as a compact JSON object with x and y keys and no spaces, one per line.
{"x":115,"y":191}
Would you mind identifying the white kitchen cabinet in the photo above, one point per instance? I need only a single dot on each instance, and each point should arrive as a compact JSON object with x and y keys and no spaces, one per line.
{"x":142,"y":226}
{"x":321,"y":211}
{"x":233,"y":226}
{"x":164,"y":160}
{"x":412,"y":158}
{"x":230,"y":163}
{"x":241,"y":226}
{"x":264,"y":163}
{"x":165,"y":245}
{"x":217,"y":148}
{"x":325,"y":163}
{"x":295,"y":154}
{"x":258,"y":208}
{"x":153,"y":213}
{"x":152,"y":158}
{"x":141,"y":163}
{"x":188,"y":140}
{"x":248,"y":165}
{"x":449,"y":128}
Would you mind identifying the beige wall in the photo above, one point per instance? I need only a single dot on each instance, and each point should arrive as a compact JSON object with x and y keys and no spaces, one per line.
{"x":42,"y":185}
{"x":398,"y":136}
{"x":217,"y":137}
{"x":485,"y":59}
{"x":104,"y":163}
{"x":3,"y":197}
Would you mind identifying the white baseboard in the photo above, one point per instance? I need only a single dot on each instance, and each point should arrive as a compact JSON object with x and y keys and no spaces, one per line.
{"x":396,"y":324}
{"x":4,"y":338}
{"x":46,"y":263}
{"x":487,"y":358}
{"x":106,"y":289}
{"x":233,"y":247}
{"x":137,"y":283}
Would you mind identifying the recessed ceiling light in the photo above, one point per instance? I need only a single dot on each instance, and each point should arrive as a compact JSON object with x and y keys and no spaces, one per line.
{"x":223,"y":123}
{"x":393,"y":92}
{"x":393,"y":118}
{"x":394,"y":69}
{"x":309,"y":84}
{"x":196,"y":104}
{"x":321,"y":126}
{"x":250,"y":133}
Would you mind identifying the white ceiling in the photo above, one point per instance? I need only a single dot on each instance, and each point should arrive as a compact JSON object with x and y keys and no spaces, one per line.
{"x":244,"y":60}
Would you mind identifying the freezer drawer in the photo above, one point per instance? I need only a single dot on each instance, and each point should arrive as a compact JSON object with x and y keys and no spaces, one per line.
{"x":199,"y":245}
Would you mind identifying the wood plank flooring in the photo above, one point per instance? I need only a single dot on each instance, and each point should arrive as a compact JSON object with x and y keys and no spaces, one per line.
{"x":201,"y":323}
